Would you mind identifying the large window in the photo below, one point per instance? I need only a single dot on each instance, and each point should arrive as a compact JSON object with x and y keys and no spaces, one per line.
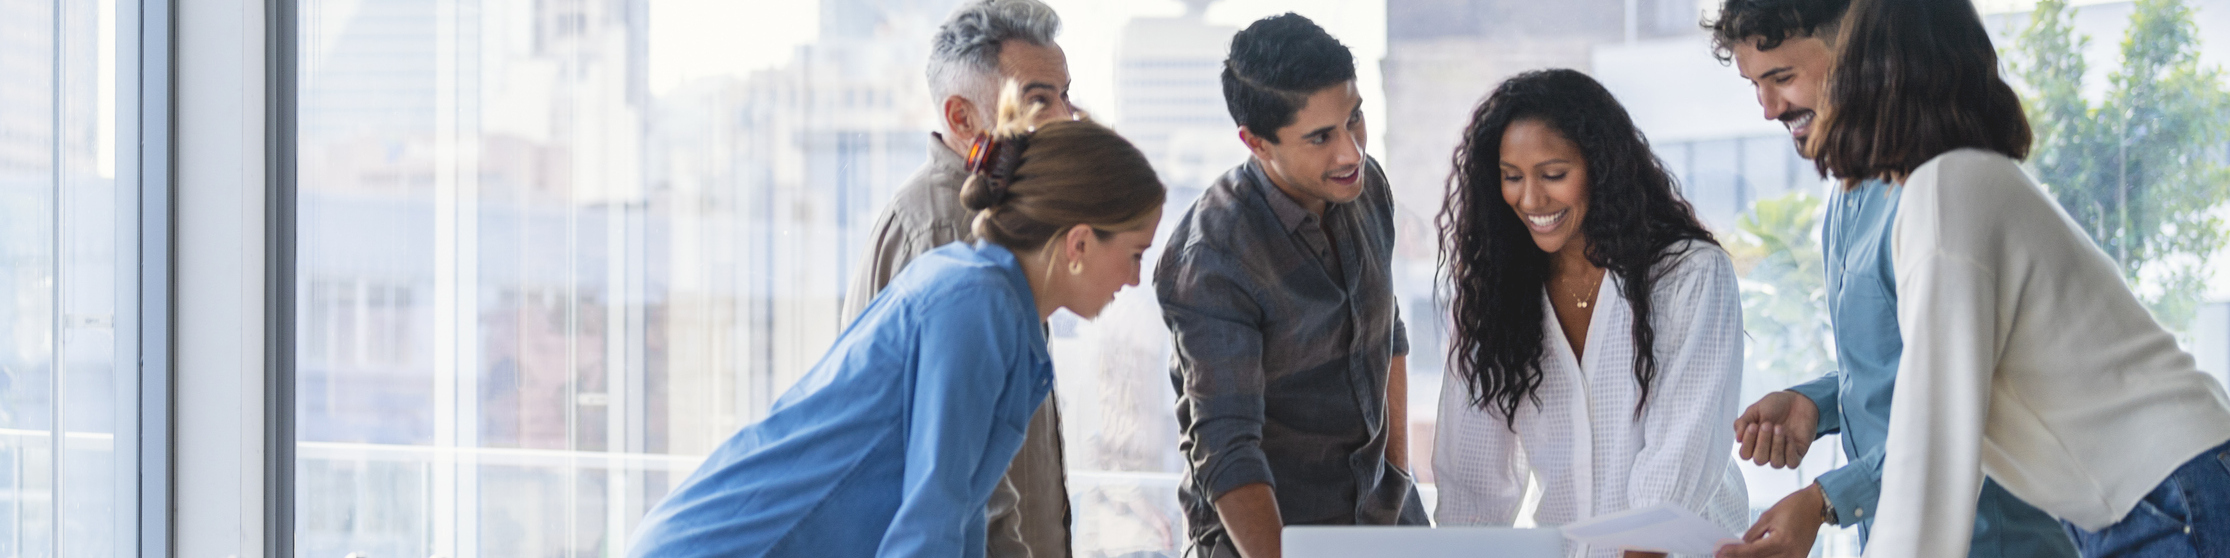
{"x":551,"y":252}
{"x":69,"y":292}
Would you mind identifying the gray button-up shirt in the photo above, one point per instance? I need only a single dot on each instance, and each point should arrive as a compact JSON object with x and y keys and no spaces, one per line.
{"x":1029,"y":510}
{"x":1284,"y":335}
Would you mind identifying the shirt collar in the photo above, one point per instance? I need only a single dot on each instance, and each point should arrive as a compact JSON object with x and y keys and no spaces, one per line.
{"x":1290,"y":213}
{"x":1006,"y":260}
{"x":943,"y":160}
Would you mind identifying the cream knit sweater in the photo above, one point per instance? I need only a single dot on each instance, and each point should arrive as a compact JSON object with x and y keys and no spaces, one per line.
{"x":2026,"y":358}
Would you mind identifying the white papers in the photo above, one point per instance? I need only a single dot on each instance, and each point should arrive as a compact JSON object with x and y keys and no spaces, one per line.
{"x":1659,"y":528}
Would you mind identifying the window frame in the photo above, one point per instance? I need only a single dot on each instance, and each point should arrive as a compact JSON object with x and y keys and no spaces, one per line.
{"x":280,"y":67}
{"x":152,"y":162}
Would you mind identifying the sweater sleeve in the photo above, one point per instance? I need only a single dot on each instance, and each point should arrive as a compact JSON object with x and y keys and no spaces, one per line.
{"x":1948,"y":310}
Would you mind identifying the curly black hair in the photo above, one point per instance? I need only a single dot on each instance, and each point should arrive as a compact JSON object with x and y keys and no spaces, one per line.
{"x":1275,"y":63}
{"x":1494,"y":269}
{"x":1771,"y":21}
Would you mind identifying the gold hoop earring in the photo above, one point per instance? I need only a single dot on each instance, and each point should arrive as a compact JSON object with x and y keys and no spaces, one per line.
{"x":1076,"y":268}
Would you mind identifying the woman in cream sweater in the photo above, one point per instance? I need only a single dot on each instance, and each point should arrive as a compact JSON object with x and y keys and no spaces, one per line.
{"x":2027,"y":358}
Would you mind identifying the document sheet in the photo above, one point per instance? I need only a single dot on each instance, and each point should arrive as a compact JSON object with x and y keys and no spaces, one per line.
{"x":1659,"y":528}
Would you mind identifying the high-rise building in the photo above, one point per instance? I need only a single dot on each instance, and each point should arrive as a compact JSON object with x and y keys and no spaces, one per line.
{"x":775,"y":179}
{"x":1170,"y":96}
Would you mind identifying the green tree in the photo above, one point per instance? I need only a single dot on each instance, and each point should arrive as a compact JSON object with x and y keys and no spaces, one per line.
{"x":2140,"y":169}
{"x":1776,"y":250}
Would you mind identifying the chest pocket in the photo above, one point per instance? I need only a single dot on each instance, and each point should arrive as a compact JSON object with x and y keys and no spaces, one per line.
{"x":1865,"y":312}
{"x":1866,"y":322}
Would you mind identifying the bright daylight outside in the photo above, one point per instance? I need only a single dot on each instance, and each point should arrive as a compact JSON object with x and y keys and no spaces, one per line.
{"x":63,"y":341}
{"x":553,"y":252}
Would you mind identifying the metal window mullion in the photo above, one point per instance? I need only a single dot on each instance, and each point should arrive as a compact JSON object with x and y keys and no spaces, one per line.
{"x":154,"y":158}
{"x":280,"y":209}
{"x":55,"y":146}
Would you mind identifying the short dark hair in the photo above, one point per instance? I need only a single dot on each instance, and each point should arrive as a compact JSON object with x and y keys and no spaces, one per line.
{"x":1275,"y":64}
{"x":1914,"y":79}
{"x":1771,"y":21}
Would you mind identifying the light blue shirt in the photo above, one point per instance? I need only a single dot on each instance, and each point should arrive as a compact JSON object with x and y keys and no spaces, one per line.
{"x":1854,"y":401}
{"x":891,"y":444}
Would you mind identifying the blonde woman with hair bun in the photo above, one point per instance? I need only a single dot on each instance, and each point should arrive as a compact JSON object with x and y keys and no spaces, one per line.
{"x":893,"y":442}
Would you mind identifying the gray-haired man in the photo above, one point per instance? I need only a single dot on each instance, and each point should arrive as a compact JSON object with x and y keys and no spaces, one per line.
{"x":982,"y":44}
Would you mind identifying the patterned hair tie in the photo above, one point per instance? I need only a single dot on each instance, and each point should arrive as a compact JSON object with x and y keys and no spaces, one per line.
{"x":981,"y":153}
{"x":996,"y":159}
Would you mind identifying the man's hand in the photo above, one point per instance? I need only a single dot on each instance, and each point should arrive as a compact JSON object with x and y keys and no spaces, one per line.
{"x":1786,"y":530}
{"x":1778,"y":429}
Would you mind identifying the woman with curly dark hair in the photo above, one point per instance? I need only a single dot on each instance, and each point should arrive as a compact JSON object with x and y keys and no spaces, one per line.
{"x":1597,"y":344}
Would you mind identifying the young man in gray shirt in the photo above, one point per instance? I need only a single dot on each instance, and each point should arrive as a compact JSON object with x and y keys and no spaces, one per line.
{"x":1277,"y":288}
{"x":981,"y":45}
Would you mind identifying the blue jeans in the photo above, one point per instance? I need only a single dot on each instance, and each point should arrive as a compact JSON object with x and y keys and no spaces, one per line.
{"x":2187,"y":515}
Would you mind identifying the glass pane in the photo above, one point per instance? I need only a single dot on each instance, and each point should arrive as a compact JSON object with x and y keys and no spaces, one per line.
{"x":554,"y":251}
{"x":512,"y":338}
{"x":94,"y":393}
{"x":28,"y":206}
{"x":61,"y":393}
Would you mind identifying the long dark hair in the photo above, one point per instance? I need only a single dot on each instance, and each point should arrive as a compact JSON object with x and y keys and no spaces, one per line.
{"x":1496,"y":271}
{"x":1913,"y":79}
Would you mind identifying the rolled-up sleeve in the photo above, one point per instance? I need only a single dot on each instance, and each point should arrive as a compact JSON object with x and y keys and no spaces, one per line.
{"x":1216,"y":328}
{"x":1826,"y":395}
{"x":1400,"y":342}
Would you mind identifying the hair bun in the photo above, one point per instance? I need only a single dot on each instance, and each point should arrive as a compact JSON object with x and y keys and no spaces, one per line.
{"x":980,"y":193}
{"x":992,"y":162}
{"x":993,"y":157}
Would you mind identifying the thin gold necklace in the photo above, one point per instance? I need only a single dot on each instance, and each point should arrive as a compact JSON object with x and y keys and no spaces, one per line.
{"x":1587,"y":297}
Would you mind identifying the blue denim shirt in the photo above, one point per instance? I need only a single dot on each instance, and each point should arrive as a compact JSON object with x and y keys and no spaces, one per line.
{"x":891,"y":444}
{"x":1854,"y":401}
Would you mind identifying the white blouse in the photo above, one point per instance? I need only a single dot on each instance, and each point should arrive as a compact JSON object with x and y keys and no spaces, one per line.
{"x":2026,"y":358}
{"x":1582,"y":441}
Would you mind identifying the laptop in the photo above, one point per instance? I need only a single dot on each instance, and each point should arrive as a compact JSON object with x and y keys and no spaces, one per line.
{"x":1423,"y":542}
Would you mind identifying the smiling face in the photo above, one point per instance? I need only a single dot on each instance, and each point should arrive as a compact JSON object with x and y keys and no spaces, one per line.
{"x":1109,"y":264}
{"x":1318,"y":159}
{"x":1788,"y":78}
{"x":1544,"y":178}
